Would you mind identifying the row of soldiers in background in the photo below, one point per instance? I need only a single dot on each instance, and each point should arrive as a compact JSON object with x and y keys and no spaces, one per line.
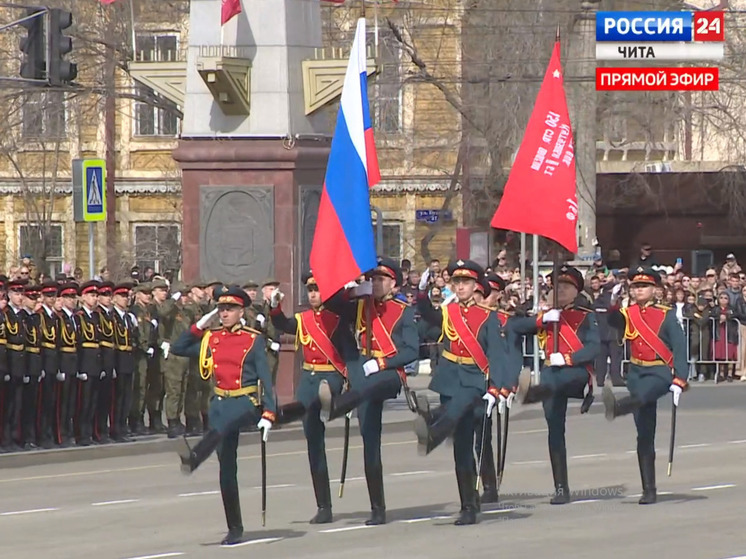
{"x":81,"y":364}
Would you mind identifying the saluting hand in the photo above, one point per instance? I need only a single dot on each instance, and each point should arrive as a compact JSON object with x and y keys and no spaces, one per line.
{"x":552,"y":315}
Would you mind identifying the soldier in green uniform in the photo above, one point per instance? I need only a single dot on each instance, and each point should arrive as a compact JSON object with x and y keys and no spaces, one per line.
{"x":568,"y":372}
{"x":250,"y":313}
{"x":471,"y":370}
{"x":155,"y":389}
{"x":394,"y":343}
{"x":198,"y":390}
{"x":237,"y":368}
{"x":147,"y":334}
{"x":328,"y":349}
{"x":658,"y":349}
{"x":174,"y":319}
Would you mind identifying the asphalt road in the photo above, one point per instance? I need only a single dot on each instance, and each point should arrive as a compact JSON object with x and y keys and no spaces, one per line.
{"x":142,"y":507}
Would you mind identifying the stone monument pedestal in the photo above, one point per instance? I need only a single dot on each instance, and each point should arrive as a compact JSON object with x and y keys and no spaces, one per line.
{"x":250,"y":207}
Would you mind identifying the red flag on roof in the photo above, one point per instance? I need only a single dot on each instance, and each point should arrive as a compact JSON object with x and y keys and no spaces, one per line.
{"x":540,"y":196}
{"x":230,"y":9}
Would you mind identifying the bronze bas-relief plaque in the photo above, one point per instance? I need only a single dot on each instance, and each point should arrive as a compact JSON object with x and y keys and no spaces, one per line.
{"x":237,"y":233}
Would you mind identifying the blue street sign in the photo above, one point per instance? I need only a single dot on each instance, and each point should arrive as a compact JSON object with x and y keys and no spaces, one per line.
{"x":94,"y":190}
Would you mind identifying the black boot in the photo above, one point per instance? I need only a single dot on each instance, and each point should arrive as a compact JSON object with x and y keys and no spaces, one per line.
{"x":531,"y":394}
{"x":559,"y":471}
{"x":468,"y":495}
{"x":156,"y":423}
{"x":489,"y":477}
{"x":232,"y":506}
{"x":193,"y":427}
{"x":374,"y":477}
{"x":175,"y":428}
{"x":323,"y":497}
{"x":430,"y":435}
{"x":333,"y":406}
{"x":191,"y":458}
{"x":647,"y":473}
{"x":616,"y":407}
{"x":288,"y":413}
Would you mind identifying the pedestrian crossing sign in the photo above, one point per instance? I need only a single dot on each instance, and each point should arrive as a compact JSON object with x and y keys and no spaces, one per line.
{"x":94,"y":190}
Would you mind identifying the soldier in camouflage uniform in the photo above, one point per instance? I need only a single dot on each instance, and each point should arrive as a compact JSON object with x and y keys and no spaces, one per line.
{"x":155,"y":391}
{"x":144,"y":354}
{"x":174,"y":319}
{"x":198,"y":390}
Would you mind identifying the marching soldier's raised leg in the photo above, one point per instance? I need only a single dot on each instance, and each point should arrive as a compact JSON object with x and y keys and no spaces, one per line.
{"x":658,"y":365}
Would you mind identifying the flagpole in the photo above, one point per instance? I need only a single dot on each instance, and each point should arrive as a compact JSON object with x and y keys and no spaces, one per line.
{"x":535,"y":259}
{"x":375,"y":20}
{"x":523,"y":267}
{"x":134,"y":35}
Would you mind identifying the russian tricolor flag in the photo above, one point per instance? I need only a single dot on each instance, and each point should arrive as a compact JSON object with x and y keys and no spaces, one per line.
{"x":343,"y":244}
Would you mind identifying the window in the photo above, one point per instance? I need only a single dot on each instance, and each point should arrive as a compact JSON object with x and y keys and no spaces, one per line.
{"x":385,"y":95}
{"x":392,"y":240}
{"x":151,"y":120}
{"x":158,"y":246}
{"x":46,"y":250}
{"x":44,"y":115}
{"x":157,"y":48}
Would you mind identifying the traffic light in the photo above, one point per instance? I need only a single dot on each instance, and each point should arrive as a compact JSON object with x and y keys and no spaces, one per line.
{"x":33,"y":46}
{"x":60,"y":70}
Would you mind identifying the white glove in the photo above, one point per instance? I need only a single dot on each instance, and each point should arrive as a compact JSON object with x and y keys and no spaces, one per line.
{"x":450,"y":299}
{"x":42,"y":376}
{"x":114,"y":374}
{"x":509,"y":402}
{"x":6,"y":378}
{"x":133,"y":318}
{"x":490,"y":399}
{"x":676,"y":390}
{"x":424,"y":279}
{"x":102,"y":376}
{"x":264,"y":426}
{"x":60,"y":376}
{"x":203,"y":322}
{"x":502,"y":403}
{"x":556,"y":360}
{"x":275,"y":297}
{"x":26,"y":380}
{"x":365,"y":288}
{"x":39,"y":379}
{"x":176,"y":296}
{"x":350,"y":284}
{"x":370,"y":367}
{"x":165,"y":347}
{"x":82,"y":377}
{"x":274,"y":346}
{"x":242,"y":320}
{"x":552,"y":315}
{"x":150,"y":352}
{"x":261,"y":319}
{"x":154,"y":322}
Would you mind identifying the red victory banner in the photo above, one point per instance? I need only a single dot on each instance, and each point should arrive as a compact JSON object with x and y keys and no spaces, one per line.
{"x":540,"y":196}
